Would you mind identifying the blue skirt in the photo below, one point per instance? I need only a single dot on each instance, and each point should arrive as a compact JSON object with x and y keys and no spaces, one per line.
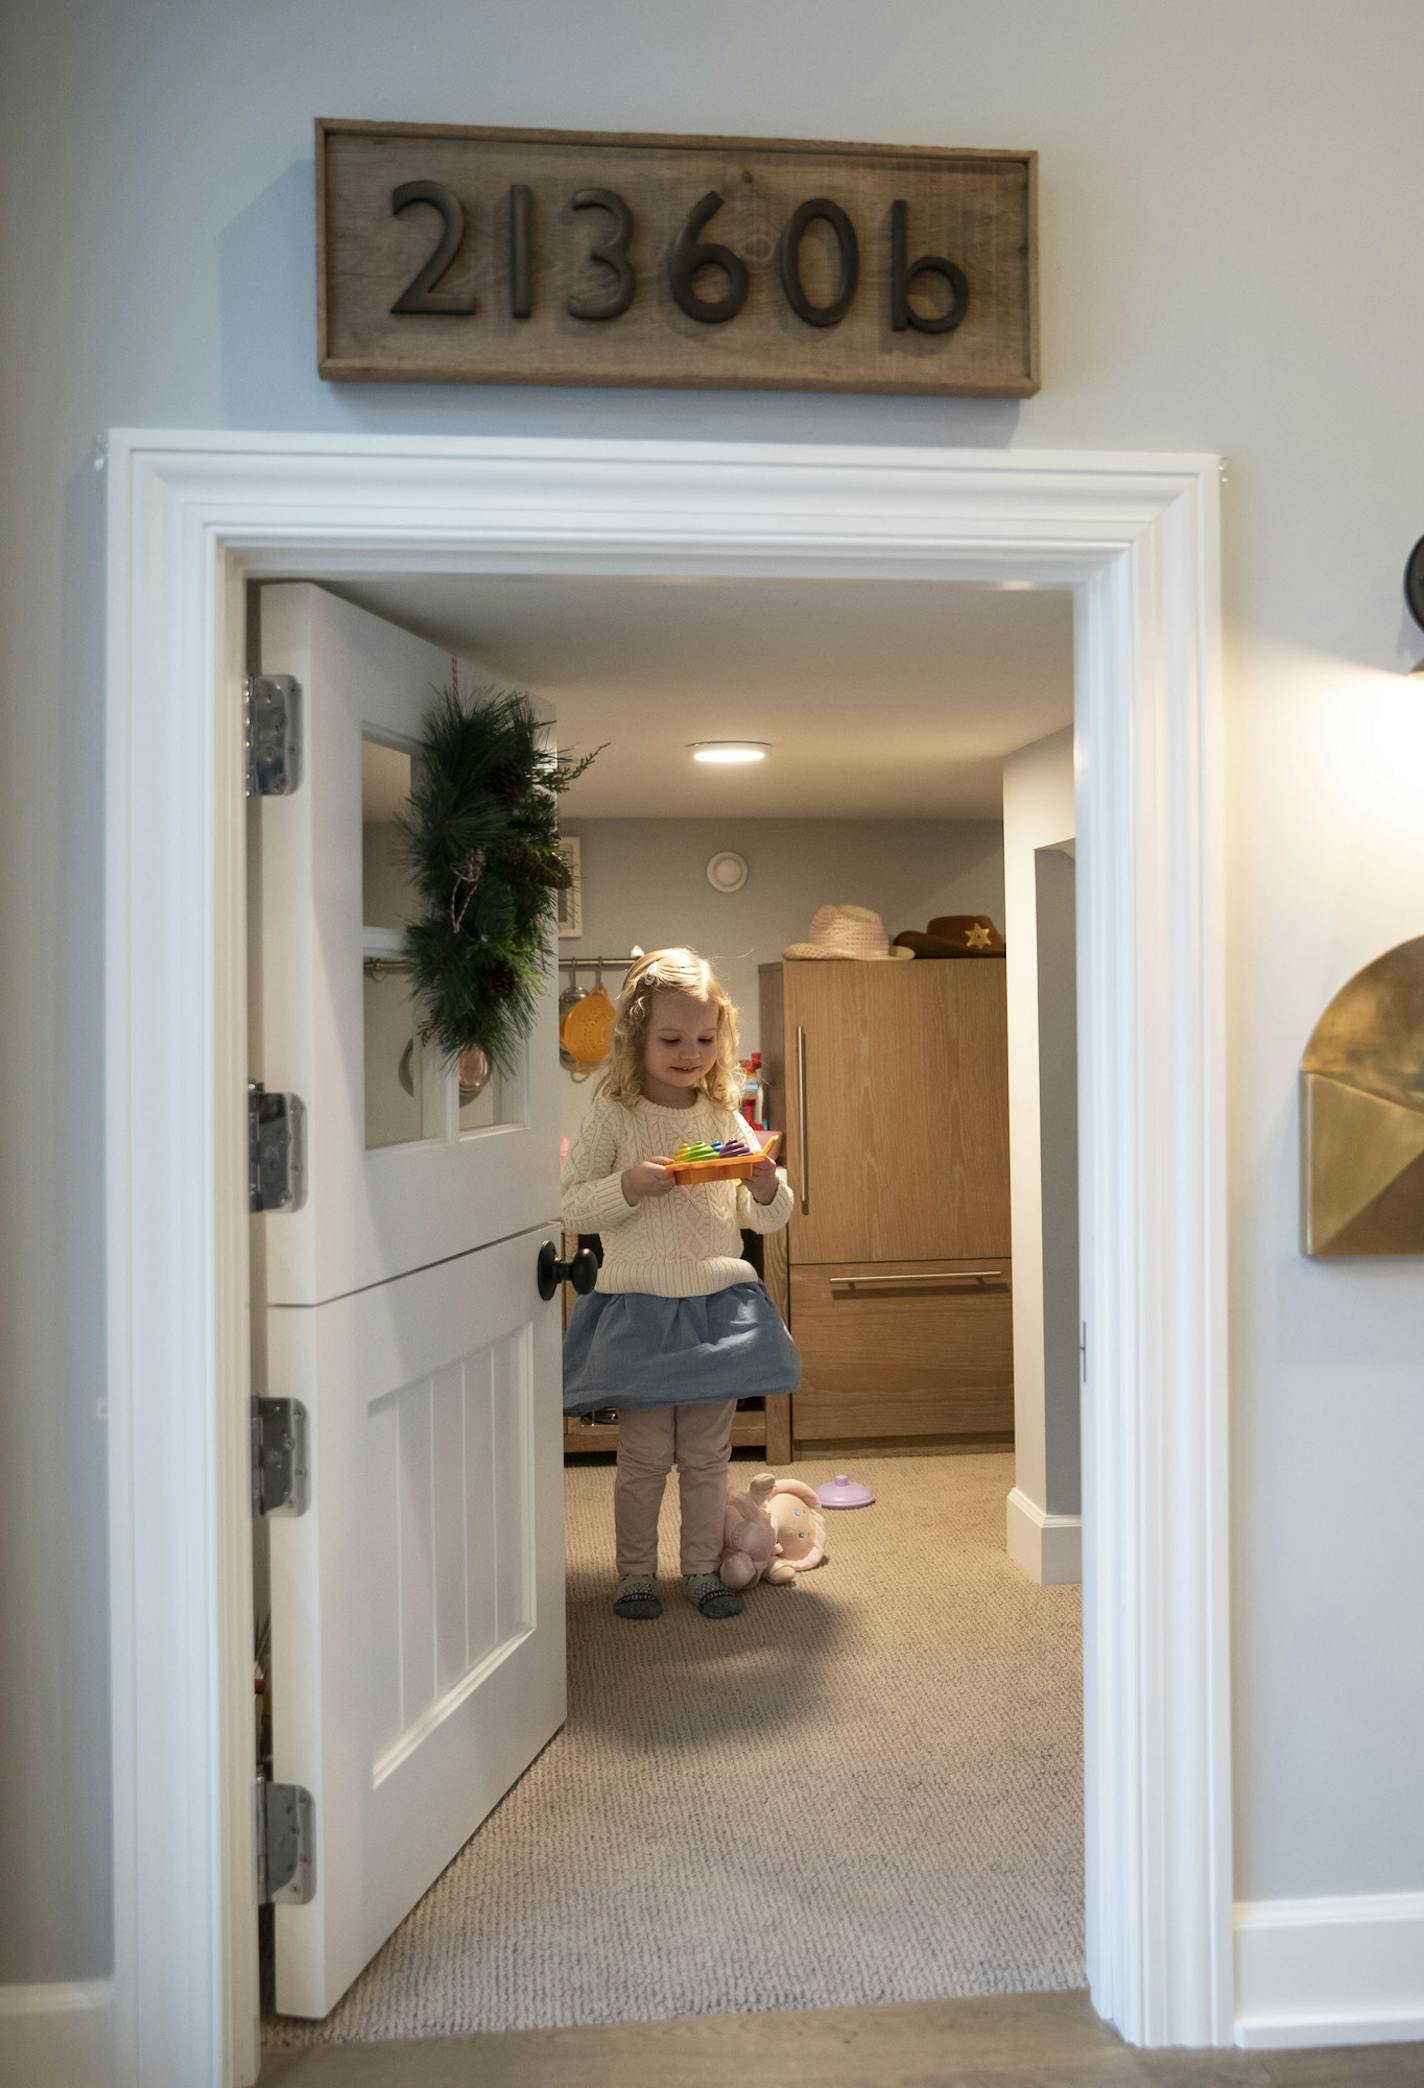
{"x":630,"y":1349}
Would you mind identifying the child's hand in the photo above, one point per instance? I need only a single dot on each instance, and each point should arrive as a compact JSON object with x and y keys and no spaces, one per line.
{"x":762,"y":1180}
{"x":648,"y":1178}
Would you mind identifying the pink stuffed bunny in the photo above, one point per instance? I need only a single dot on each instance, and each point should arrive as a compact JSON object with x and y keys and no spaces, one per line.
{"x":749,"y":1546}
{"x":799,"y":1524}
{"x":773,"y":1531}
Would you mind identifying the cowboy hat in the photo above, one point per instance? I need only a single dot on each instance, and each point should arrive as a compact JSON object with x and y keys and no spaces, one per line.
{"x":846,"y":931}
{"x":954,"y":935}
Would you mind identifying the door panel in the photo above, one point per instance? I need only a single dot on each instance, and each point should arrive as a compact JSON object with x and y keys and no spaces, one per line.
{"x":895,"y":1166}
{"x":982,"y":1097}
{"x":402,"y":1168}
{"x":904,"y":1349}
{"x":417,"y":1605}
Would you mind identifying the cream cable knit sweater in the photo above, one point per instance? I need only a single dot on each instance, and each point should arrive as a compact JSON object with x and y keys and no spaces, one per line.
{"x":683,"y":1245}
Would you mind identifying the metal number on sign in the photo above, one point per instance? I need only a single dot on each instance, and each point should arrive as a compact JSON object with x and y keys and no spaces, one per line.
{"x":694,"y":264}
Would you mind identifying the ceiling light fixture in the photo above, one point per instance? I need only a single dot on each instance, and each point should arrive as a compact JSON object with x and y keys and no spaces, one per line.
{"x":730,"y":750}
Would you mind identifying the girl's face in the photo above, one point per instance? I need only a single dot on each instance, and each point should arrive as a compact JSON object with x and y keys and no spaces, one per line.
{"x":681,"y":1048}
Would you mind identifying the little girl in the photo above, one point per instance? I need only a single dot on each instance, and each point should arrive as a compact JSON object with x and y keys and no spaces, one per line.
{"x":679,"y":1328}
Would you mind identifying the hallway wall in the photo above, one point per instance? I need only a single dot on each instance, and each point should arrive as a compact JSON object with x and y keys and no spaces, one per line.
{"x":645,"y":881}
{"x":1039,"y":815}
{"x":1227,"y":264}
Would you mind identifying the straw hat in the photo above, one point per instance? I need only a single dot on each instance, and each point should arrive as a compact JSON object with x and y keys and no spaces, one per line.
{"x":846,"y":931}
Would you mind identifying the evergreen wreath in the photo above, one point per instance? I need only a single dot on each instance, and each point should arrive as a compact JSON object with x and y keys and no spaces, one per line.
{"x":482,"y":841}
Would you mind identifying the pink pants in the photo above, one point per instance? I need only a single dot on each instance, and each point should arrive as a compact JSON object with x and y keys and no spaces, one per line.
{"x":698,"y":1439}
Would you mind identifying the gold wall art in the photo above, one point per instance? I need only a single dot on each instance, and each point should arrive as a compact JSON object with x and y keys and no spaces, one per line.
{"x":1362,"y":1113}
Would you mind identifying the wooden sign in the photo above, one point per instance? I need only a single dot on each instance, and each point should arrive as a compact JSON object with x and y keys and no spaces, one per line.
{"x":459,"y":256}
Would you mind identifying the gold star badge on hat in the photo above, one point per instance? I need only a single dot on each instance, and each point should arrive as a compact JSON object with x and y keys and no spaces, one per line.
{"x":977,"y":937}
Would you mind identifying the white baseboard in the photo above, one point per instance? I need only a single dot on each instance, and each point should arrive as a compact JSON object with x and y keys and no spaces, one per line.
{"x":1330,"y":1971}
{"x":56,"y":2035}
{"x":1048,"y":1547}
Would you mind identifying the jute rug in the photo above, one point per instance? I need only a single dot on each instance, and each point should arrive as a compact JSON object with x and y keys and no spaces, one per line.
{"x":866,"y":1788}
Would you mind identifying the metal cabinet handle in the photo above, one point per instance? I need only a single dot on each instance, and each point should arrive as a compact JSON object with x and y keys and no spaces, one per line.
{"x":801,"y":1105}
{"x":930,"y":1276}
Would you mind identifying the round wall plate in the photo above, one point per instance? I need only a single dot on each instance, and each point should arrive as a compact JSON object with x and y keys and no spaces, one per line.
{"x":1414,"y":583}
{"x":726,"y":871}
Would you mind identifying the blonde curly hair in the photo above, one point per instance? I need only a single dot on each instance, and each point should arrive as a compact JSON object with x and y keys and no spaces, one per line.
{"x":670,"y":971}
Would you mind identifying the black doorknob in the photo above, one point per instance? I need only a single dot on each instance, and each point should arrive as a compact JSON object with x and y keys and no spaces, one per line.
{"x":581,"y":1271}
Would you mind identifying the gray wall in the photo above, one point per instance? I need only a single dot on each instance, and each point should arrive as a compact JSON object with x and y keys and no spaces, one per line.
{"x":1055,"y":877}
{"x":645,"y":881}
{"x":1039,"y":814}
{"x":1229,"y":262}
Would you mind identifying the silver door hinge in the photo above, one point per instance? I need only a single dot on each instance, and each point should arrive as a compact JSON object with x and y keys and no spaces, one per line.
{"x":270,"y":734}
{"x":281,"y":1468}
{"x":275,"y":1150}
{"x":285,"y":1835}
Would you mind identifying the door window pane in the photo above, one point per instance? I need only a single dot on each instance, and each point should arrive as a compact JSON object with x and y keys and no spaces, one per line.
{"x":484,"y":1093}
{"x":500,"y":1100}
{"x":405,"y":1087}
{"x":385,"y":793}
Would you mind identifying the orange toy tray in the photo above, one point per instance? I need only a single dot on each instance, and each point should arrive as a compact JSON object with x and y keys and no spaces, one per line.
{"x":735,"y":1170}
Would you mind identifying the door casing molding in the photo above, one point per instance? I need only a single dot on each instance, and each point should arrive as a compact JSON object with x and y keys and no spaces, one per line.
{"x":192,"y":517}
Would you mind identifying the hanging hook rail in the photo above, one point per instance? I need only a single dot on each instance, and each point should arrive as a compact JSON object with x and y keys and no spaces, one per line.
{"x":380,"y":967}
{"x":574,"y":965}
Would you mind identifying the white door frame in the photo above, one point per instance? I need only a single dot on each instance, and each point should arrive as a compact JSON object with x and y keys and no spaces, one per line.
{"x":191,"y":516}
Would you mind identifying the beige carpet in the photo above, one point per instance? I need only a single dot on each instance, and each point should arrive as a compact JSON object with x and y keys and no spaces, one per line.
{"x":866,"y":1788}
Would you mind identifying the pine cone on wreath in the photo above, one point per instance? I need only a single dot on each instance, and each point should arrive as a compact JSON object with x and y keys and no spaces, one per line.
{"x":509,"y":779}
{"x":551,"y":871}
{"x":497,"y":978}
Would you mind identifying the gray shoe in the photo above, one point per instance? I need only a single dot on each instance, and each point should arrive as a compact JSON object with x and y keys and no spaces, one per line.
{"x":637,"y":1596}
{"x":709,"y":1598}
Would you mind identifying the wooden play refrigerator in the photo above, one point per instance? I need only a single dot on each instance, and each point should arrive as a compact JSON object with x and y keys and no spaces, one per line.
{"x":890,"y":1081}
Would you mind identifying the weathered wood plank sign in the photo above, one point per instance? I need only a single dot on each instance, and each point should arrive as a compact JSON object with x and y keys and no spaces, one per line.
{"x":464,"y":256}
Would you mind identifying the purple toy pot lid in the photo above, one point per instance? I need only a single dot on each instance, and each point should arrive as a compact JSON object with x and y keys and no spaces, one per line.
{"x":842,"y":1492}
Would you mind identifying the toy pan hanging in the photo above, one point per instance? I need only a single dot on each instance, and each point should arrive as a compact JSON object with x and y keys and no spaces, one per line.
{"x":724,"y":1160}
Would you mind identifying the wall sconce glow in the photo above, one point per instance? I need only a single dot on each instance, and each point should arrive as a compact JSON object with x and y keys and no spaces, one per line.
{"x":730,"y":751}
{"x":1414,"y":590}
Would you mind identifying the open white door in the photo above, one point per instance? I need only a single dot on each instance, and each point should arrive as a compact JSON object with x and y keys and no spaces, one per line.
{"x":417,"y":1658}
